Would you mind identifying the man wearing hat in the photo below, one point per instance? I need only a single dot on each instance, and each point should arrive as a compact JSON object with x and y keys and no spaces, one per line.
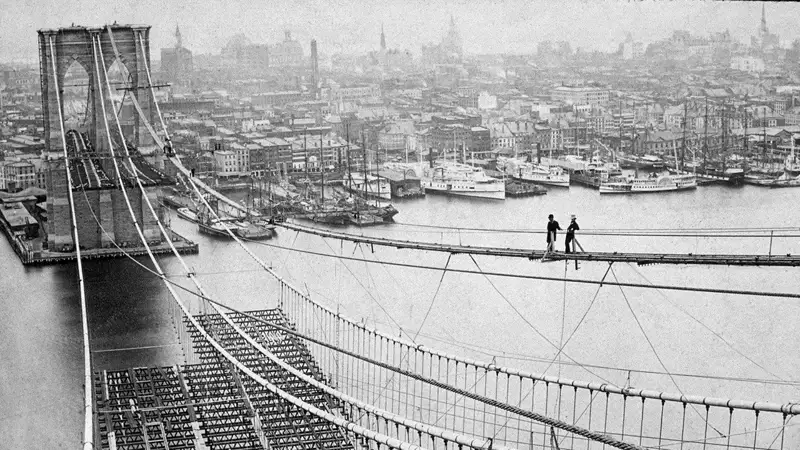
{"x":552,"y":226}
{"x":573,"y":226}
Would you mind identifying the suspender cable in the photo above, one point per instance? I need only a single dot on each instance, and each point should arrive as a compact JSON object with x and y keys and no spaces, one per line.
{"x":88,"y":383}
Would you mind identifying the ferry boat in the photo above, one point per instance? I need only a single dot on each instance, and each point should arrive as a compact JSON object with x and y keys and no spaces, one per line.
{"x":609,"y":168}
{"x":375,"y":186}
{"x":462,"y":180}
{"x":653,"y":183}
{"x":534,"y":173}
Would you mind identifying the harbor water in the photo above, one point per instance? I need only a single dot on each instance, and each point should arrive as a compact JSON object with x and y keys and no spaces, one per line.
{"x":515,"y":321}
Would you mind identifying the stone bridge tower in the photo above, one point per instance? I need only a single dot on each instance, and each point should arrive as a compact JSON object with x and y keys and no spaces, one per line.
{"x":78,"y":45}
{"x":102,"y":215}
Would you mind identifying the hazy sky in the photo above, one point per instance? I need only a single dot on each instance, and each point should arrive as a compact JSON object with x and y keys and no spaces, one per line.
{"x":486,"y":26}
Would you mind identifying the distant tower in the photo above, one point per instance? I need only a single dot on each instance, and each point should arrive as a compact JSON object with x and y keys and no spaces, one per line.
{"x":383,"y":40}
{"x":178,"y":40}
{"x":315,"y":69}
{"x":763,"y":19}
{"x":452,"y":43}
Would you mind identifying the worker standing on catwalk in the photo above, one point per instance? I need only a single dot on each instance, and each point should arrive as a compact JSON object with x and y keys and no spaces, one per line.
{"x":552,"y":226}
{"x":571,"y":229}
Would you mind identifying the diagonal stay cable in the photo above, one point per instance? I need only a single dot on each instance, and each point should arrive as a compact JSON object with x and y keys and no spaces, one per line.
{"x":744,"y":292}
{"x":655,"y":352}
{"x":711,"y":330}
{"x":531,"y":325}
{"x":435,"y":294}
{"x":424,"y":319}
{"x":341,"y":258}
{"x":562,"y":347}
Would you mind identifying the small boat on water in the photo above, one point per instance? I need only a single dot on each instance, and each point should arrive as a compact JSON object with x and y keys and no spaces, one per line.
{"x":187,"y":214}
{"x":254,"y":230}
{"x":217,"y":228}
{"x":653,"y":183}
{"x":245,"y":229}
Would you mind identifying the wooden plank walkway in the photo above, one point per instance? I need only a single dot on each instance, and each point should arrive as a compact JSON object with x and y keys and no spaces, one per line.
{"x":638,"y":258}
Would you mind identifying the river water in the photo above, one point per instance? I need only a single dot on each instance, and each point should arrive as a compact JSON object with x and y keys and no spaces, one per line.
{"x":516,"y":321}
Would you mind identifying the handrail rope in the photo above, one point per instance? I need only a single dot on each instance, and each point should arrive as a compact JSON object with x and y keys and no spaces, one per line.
{"x":657,"y":258}
{"x":88,"y":382}
{"x":386,"y":440}
{"x":666,"y":232}
{"x":787,"y":295}
{"x":438,"y":432}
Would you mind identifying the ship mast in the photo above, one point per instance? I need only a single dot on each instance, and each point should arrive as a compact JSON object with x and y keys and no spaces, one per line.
{"x":366,"y":180}
{"x":321,"y":173}
{"x":305,"y":155}
{"x":620,"y":125}
{"x":633,"y":127}
{"x":724,"y":148}
{"x":764,"y":128}
{"x":378,"y":176}
{"x":349,"y":170}
{"x":683,"y":149}
{"x":746,"y":146}
{"x":705,"y":125}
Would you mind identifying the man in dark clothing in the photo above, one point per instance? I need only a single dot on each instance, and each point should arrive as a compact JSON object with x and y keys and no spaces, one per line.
{"x":571,"y":229}
{"x":552,"y":226}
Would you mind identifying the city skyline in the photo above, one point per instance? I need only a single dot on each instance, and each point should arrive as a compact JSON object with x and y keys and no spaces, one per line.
{"x":485,"y":27}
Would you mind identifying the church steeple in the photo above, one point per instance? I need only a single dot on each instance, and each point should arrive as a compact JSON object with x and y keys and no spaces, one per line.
{"x":178,"y":40}
{"x":763,"y":18}
{"x":383,"y":39}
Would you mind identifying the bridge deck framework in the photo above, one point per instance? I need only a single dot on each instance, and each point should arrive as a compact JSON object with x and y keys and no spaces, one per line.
{"x":211,"y":405}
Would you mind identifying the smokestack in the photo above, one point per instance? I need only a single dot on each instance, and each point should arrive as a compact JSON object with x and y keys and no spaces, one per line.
{"x":315,"y":69}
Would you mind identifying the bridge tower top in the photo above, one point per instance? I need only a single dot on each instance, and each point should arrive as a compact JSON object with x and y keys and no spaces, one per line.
{"x":89,"y":47}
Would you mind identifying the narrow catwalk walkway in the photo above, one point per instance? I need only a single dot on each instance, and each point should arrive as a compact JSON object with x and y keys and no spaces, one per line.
{"x":638,"y":258}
